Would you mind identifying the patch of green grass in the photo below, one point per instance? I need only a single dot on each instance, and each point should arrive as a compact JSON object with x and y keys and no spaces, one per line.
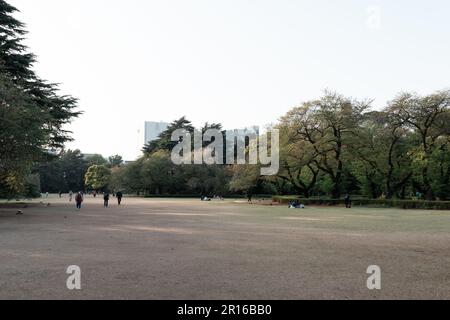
{"x":362,"y":202}
{"x":360,"y":219}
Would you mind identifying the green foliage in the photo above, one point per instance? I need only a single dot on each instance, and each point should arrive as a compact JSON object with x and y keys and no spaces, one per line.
{"x":245,"y":178}
{"x":32,"y":186}
{"x":428,"y":118}
{"x":334,"y":145}
{"x":98,"y":177}
{"x":317,"y":136}
{"x":65,"y":173}
{"x":96,"y":159}
{"x":155,"y":174}
{"x":329,"y":146}
{"x":115,"y":161}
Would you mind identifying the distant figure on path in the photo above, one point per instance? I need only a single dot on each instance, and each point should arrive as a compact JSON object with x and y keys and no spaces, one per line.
{"x":70,"y":196}
{"x":95,"y":194}
{"x":250,"y":197}
{"x":119,"y":196}
{"x":60,"y":194}
{"x":106,"y":200}
{"x":348,"y":201}
{"x":79,"y":200}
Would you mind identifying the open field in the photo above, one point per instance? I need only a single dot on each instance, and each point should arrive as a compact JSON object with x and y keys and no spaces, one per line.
{"x":187,"y":249}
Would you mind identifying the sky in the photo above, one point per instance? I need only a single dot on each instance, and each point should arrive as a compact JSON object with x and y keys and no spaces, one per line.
{"x":237,"y":62}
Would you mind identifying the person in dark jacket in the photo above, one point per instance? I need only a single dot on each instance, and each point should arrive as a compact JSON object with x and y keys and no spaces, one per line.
{"x":106,"y":200}
{"x":79,"y":200}
{"x":348,"y":201}
{"x":119,"y":196}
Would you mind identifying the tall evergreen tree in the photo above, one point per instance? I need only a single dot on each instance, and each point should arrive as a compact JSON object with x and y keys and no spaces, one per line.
{"x":32,"y":111}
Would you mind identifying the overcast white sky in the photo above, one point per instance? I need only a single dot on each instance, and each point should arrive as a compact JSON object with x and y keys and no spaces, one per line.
{"x":237,"y":62}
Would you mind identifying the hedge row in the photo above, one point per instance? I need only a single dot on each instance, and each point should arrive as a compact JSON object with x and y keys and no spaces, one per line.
{"x":381,"y":203}
{"x":197,"y":196}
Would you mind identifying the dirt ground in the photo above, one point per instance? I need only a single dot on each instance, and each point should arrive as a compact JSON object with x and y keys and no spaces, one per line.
{"x":187,"y":249}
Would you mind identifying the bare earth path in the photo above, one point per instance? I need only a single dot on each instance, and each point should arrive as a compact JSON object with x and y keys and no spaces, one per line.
{"x":187,"y":249}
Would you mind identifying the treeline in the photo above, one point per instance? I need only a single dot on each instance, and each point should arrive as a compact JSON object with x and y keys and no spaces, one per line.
{"x":337,"y":145}
{"x":329,"y":147}
{"x":72,"y":171}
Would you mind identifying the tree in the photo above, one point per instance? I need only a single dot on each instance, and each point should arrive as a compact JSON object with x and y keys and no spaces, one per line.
{"x":16,"y":65}
{"x":116,"y":161}
{"x":245,"y":178}
{"x":441,"y":170}
{"x":117,"y":181}
{"x":66,"y":173}
{"x":156,"y":172}
{"x":382,"y":148}
{"x":326,"y":125}
{"x":96,"y":159}
{"x":131,"y":179}
{"x":21,"y":136}
{"x":32,"y":112}
{"x":298,"y":156}
{"x":98,"y":177}
{"x":429,"y":118}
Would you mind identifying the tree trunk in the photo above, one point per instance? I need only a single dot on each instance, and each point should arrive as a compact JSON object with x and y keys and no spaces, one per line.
{"x":336,"y":192}
{"x":429,"y":194}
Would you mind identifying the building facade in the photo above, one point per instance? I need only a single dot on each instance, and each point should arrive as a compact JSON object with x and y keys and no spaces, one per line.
{"x":153,"y":130}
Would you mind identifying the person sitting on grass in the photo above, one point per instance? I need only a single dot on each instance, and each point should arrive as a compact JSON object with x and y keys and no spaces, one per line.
{"x":296,"y":205}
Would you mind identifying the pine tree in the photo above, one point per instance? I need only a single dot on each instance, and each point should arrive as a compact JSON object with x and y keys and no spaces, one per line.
{"x":32,"y":112}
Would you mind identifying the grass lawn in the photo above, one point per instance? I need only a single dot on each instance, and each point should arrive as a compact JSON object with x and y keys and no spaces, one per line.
{"x":187,"y":249}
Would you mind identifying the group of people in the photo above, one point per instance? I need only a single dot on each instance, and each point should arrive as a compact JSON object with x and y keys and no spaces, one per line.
{"x":118,"y":195}
{"x":206,"y":198}
{"x":296,"y":205}
{"x":79,"y":198}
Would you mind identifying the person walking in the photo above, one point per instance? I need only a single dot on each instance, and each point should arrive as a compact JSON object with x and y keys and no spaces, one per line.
{"x":70,"y":196}
{"x":119,"y":196}
{"x":348,"y":201}
{"x":106,"y":200}
{"x":250,"y":197}
{"x":79,"y":200}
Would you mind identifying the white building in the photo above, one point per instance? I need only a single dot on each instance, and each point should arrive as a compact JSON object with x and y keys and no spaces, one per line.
{"x":153,"y":130}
